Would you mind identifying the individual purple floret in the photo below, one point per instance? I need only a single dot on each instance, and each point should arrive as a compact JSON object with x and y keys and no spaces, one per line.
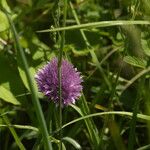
{"x":47,"y":80}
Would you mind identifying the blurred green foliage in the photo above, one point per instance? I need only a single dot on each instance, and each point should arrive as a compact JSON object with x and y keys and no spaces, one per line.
{"x":123,"y":52}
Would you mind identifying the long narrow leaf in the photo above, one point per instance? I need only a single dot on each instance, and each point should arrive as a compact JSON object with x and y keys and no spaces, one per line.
{"x":33,"y":88}
{"x":120,"y":113}
{"x":98,"y":24}
{"x":14,"y":134}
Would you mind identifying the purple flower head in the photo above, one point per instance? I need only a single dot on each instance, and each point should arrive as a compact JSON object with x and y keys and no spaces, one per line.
{"x":47,"y":80}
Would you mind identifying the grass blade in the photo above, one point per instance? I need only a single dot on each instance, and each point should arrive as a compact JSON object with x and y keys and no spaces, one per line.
{"x":62,"y":43}
{"x":27,"y":127}
{"x":33,"y":89}
{"x":132,"y":135}
{"x":72,"y":142}
{"x":91,"y":49}
{"x":98,"y":25}
{"x":120,"y":113}
{"x":13,"y":132}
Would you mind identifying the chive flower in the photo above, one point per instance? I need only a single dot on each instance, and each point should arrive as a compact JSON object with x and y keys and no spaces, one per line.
{"x":47,"y":81}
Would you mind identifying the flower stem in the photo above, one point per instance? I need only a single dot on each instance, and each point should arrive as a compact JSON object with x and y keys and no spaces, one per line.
{"x":62,"y":43}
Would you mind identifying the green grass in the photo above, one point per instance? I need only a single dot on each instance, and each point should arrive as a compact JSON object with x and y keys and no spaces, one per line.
{"x":108,"y":42}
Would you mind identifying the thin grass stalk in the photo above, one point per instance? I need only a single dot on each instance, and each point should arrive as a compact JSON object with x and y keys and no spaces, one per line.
{"x":89,"y":47}
{"x":82,"y":111}
{"x":35,"y":100}
{"x":99,"y":25}
{"x":62,"y":43}
{"x":93,"y":132}
{"x":146,"y":147}
{"x":89,"y":123}
{"x":22,"y":127}
{"x":109,"y":120}
{"x":14,"y":134}
{"x":120,"y":113}
{"x":132,"y":135}
{"x":147,"y":104}
{"x":144,"y":71}
{"x":114,"y":129}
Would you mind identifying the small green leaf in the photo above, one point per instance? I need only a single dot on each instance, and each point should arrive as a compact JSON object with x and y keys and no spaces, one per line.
{"x":38,"y":55}
{"x":145,"y":47}
{"x":134,"y":61}
{"x":4,"y":24}
{"x":5,"y":6}
{"x":23,"y":76}
{"x":7,"y":96}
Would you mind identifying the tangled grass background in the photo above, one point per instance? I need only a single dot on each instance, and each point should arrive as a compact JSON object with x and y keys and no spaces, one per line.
{"x":108,"y":42}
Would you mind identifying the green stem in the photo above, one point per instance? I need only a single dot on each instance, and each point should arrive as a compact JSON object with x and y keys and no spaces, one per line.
{"x":36,"y":103}
{"x":62,"y":43}
{"x":13,"y":132}
{"x":135,"y":78}
{"x":134,"y":119}
{"x":89,"y":47}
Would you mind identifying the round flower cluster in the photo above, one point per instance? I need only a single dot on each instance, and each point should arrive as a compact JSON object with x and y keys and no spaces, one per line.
{"x":47,"y":81}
